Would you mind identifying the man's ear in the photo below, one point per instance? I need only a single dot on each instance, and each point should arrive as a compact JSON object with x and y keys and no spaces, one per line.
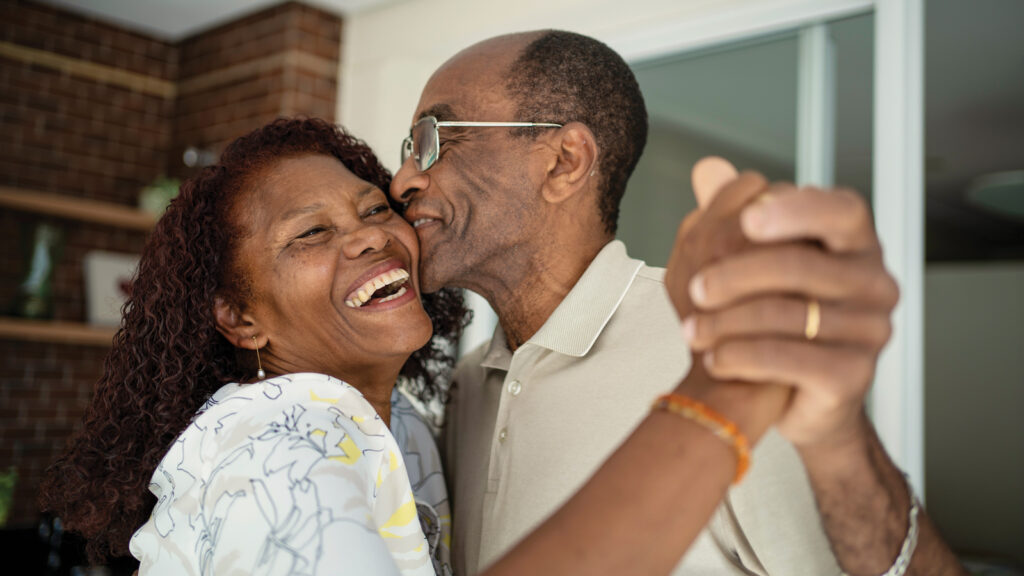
{"x":237,"y":327}
{"x":573,"y":163}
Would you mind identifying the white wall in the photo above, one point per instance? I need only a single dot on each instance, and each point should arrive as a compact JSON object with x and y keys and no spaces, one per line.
{"x":974,"y":395}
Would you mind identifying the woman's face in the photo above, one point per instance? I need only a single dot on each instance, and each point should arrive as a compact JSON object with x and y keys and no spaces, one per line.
{"x":332,"y":270}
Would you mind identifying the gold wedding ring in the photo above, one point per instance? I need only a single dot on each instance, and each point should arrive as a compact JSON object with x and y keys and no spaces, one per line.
{"x":813,"y":319}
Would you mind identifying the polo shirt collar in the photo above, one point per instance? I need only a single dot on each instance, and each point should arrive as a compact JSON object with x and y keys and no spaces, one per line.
{"x":498,"y":355}
{"x":578,"y":320}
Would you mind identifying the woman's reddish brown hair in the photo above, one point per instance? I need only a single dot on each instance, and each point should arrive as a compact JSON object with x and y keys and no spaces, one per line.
{"x":167,"y":358}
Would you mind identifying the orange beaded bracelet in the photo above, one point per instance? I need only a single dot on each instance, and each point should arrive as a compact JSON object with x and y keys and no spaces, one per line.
{"x":719,"y":425}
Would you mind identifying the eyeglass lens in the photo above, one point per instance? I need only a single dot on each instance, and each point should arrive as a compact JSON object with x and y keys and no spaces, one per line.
{"x":424,"y":140}
{"x":406,"y":149}
{"x":422,"y":143}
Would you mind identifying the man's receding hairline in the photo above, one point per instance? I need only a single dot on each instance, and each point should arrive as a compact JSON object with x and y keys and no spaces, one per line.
{"x":525,"y":41}
{"x":520,"y":41}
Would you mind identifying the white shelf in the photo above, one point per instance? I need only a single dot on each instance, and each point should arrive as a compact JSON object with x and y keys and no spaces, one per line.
{"x":76,"y":208}
{"x":55,"y":332}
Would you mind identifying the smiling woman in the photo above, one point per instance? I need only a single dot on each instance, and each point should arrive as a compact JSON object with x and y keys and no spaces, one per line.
{"x":315,"y":240}
{"x":265,"y":250}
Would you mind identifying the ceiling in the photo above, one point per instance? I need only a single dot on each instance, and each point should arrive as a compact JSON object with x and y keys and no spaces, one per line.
{"x":974,"y":111}
{"x":173,"y":20}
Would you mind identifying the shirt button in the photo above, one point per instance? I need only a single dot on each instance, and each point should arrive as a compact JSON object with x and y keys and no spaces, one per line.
{"x":515,"y":387}
{"x":502,"y":435}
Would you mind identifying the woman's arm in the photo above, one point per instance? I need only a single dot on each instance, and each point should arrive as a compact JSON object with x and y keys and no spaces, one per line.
{"x":643,"y":508}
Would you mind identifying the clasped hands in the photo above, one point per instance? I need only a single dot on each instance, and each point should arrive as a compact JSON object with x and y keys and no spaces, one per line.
{"x":785,"y":302}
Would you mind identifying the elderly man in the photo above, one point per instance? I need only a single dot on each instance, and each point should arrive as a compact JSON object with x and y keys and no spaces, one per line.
{"x":513,"y":172}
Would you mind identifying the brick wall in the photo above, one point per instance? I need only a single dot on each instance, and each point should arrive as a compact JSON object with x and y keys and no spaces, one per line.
{"x":280,"y":62}
{"x":91,"y":110}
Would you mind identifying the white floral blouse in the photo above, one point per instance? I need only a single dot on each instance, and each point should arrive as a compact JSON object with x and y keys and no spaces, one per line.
{"x":297,"y":475}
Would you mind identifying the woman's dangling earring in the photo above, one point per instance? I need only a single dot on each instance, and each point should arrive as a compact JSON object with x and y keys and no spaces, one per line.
{"x":259,"y":373}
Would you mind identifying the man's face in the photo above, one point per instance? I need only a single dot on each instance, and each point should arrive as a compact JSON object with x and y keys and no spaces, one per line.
{"x":474,"y":204}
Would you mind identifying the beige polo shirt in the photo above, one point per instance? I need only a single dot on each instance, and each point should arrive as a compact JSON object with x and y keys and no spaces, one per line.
{"x":526,"y":430}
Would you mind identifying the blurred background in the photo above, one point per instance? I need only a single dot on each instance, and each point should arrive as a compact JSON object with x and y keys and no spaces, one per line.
{"x":106,"y":105}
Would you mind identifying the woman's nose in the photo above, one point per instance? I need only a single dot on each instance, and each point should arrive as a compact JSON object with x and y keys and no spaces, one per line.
{"x":366,"y":239}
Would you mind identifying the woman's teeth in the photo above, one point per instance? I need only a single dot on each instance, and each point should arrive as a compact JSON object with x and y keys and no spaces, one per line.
{"x":401,"y":291}
{"x":392,"y":278}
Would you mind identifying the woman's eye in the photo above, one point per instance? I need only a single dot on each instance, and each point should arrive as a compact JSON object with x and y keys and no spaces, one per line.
{"x":312,"y":232}
{"x":379,"y":209}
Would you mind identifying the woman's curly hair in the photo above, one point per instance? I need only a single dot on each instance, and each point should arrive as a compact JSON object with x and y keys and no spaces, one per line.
{"x":168,"y":358}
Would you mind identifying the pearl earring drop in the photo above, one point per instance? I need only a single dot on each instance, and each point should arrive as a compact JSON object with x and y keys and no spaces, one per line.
{"x":259,"y":373}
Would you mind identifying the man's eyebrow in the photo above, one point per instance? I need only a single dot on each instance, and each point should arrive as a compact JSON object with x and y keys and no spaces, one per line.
{"x":440,"y":111}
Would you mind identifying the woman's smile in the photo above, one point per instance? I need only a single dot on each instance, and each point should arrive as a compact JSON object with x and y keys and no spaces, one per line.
{"x":387,"y":282}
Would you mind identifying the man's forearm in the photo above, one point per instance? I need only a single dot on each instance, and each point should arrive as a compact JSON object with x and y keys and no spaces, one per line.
{"x":865,"y":502}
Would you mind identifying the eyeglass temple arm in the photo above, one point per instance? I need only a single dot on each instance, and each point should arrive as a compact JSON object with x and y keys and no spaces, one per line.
{"x":454,"y":123}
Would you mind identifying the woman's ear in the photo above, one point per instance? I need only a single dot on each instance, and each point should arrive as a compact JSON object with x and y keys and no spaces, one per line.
{"x":574,"y":163}
{"x":238,"y":328}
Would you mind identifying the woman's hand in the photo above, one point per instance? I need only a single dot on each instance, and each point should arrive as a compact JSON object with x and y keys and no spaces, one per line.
{"x":711,"y":233}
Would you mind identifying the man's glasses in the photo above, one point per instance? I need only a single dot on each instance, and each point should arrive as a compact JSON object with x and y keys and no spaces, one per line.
{"x":423,"y":142}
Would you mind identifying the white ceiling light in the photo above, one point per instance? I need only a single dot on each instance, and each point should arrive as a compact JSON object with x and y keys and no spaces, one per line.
{"x":999,"y":192}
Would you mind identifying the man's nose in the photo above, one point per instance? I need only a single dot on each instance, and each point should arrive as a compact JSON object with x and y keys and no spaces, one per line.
{"x":408,"y":181}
